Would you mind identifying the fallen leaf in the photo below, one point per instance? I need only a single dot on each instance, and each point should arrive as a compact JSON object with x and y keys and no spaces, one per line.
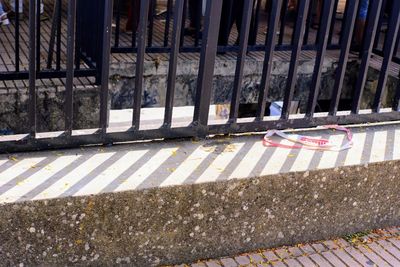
{"x":13,"y":158}
{"x":171,"y":169}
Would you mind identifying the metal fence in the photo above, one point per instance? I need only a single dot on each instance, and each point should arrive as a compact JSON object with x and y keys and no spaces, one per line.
{"x":94,"y":40}
{"x":85,"y":53}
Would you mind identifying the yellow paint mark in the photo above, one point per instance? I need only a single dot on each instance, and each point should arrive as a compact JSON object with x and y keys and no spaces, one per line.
{"x":12,"y":158}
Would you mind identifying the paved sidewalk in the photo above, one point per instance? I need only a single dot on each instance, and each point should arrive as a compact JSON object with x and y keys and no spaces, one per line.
{"x":378,"y":248}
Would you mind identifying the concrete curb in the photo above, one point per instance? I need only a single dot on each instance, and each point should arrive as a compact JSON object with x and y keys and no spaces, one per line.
{"x":190,"y":222}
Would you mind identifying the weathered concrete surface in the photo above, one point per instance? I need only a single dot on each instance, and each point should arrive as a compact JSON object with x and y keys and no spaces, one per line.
{"x":166,"y":203}
{"x":50,"y":109}
{"x":181,"y":224}
{"x":122,"y":82}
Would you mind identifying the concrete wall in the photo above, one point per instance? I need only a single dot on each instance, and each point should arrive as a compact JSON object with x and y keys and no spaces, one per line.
{"x":155,"y":77}
{"x":50,"y":109}
{"x":189,"y":222}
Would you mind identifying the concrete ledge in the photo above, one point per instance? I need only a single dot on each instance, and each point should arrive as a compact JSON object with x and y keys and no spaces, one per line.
{"x":164,"y":203}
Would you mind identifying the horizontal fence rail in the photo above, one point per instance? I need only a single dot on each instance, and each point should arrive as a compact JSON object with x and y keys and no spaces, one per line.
{"x":94,"y":32}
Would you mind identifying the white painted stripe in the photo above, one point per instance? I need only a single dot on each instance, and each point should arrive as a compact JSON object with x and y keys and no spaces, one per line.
{"x":396,"y":149}
{"x":274,"y":165}
{"x":19,"y":168}
{"x":354,"y":156}
{"x":111,"y":173}
{"x":73,"y":177}
{"x":378,"y":146}
{"x":220,"y":163}
{"x":3,"y":161}
{"x":146,"y":170}
{"x":249,"y":161}
{"x":303,"y":159}
{"x":31,"y":182}
{"x":329,"y":158}
{"x":188,"y":166}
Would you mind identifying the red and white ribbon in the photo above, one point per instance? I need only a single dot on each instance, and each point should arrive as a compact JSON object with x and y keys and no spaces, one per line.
{"x":307,"y":142}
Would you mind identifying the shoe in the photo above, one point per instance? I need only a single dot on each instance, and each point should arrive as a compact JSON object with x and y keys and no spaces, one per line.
{"x":4,"y":19}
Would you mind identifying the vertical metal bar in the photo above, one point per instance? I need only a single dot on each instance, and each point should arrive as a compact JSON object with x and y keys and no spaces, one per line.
{"x":38,"y":30}
{"x":294,"y":62}
{"x":244,"y":39}
{"x":167,"y":23}
{"x":283,"y":17}
{"x":177,"y":31}
{"x":369,"y":36}
{"x":71,"y":16}
{"x":388,"y":51}
{"x":55,"y":19}
{"x":78,"y":38}
{"x":396,"y":47}
{"x":396,"y":102}
{"x":118,"y":23}
{"x":347,"y":33}
{"x":254,"y":29}
{"x":32,"y":68}
{"x":137,"y":97}
{"x":108,"y":12}
{"x":319,"y":61}
{"x":198,"y":23}
{"x":269,"y":54}
{"x":58,"y":46}
{"x":380,"y":23}
{"x":185,"y":5}
{"x":17,"y":35}
{"x":151,"y":26}
{"x":345,"y":15}
{"x":206,"y":68}
{"x":333,"y":22}
{"x":309,"y":22}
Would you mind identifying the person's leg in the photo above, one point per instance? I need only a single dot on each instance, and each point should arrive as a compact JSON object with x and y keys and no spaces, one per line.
{"x":360,"y":22}
{"x":133,"y":16}
{"x":21,"y":6}
{"x":226,"y":22}
{"x":195,"y":9}
{"x":318,"y":10}
{"x":237,"y":11}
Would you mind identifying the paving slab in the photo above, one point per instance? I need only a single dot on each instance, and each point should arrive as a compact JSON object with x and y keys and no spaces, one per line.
{"x":358,"y":254}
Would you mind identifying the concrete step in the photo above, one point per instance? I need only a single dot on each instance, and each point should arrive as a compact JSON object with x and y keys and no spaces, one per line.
{"x":159,"y":202}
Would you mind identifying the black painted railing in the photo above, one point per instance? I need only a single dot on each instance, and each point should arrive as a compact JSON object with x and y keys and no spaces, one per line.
{"x":90,"y":34}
